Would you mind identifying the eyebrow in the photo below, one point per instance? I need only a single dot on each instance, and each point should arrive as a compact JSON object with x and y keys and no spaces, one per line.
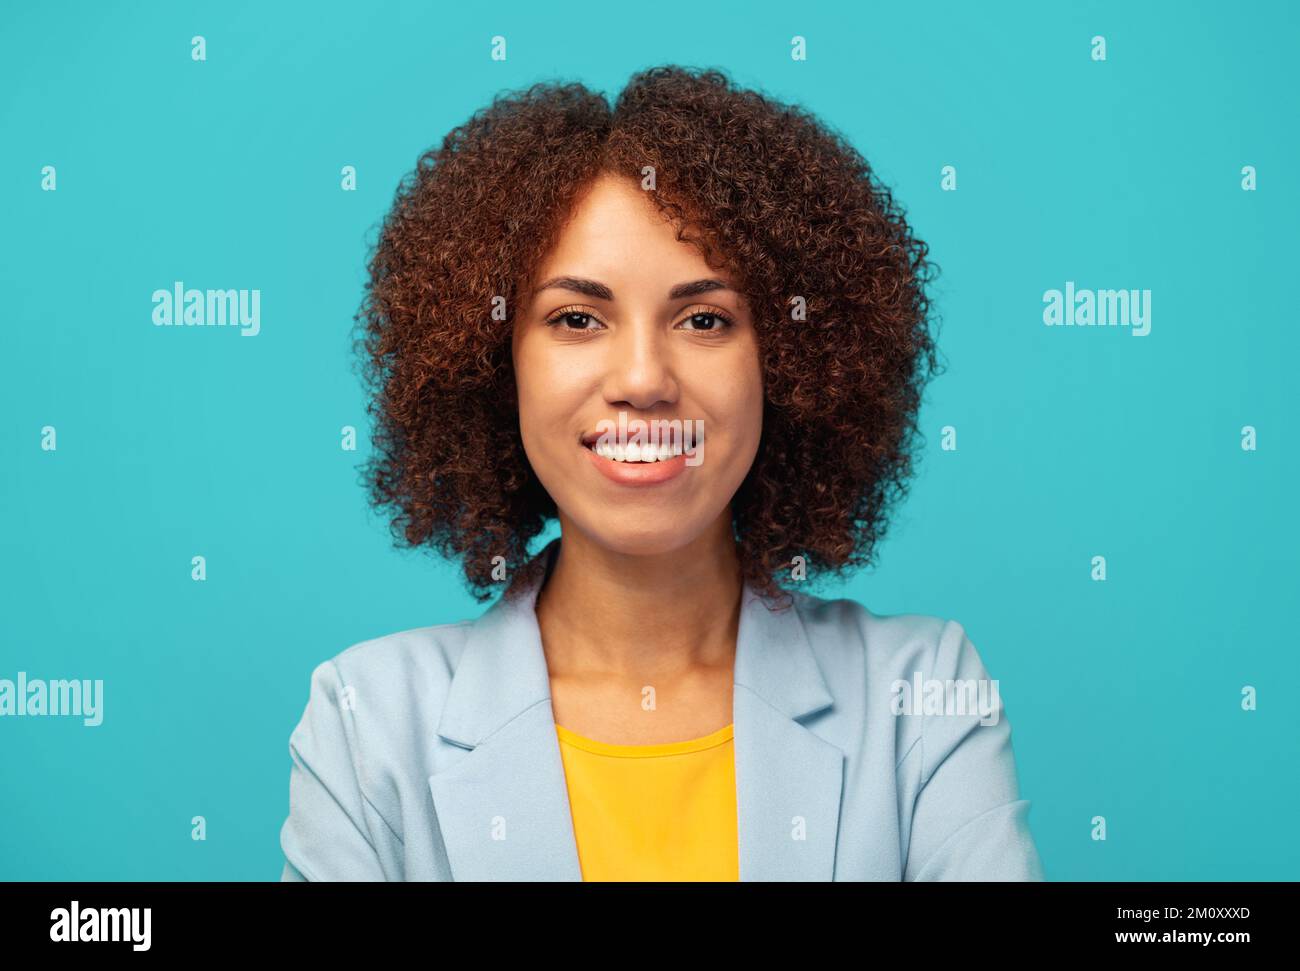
{"x":599,"y":291}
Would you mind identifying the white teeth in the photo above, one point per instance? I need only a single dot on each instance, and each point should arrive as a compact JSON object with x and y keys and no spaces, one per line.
{"x":633,"y":452}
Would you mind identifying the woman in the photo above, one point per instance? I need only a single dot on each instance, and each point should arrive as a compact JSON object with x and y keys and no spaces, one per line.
{"x":692,"y":329}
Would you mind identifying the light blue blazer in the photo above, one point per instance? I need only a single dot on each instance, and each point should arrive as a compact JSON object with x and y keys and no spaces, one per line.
{"x":431,"y":754}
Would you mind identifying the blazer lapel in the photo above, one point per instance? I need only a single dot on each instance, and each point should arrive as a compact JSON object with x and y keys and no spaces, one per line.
{"x":788,"y":779}
{"x":503,"y":806}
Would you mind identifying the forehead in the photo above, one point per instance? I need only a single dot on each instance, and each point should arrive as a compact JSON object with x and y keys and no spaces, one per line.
{"x":616,"y":232}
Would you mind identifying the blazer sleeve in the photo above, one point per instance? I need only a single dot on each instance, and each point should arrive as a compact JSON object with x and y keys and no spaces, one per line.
{"x":332,"y":831}
{"x":968,"y":820}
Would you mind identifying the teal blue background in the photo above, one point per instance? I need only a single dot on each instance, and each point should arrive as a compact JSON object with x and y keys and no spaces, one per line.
{"x":1124,"y":696}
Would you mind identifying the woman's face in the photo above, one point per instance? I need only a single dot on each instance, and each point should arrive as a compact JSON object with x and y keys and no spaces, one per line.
{"x":624,"y":318}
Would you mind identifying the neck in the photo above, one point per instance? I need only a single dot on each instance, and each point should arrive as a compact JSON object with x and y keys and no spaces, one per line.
{"x":643,"y":616}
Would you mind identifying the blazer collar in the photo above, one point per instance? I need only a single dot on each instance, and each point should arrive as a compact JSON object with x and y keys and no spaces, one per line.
{"x":503,"y":808}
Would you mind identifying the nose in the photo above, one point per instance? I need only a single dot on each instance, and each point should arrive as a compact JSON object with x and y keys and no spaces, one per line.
{"x":639,"y":372}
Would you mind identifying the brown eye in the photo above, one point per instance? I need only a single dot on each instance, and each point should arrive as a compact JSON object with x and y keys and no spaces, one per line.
{"x":706,"y":321}
{"x":572,"y":320}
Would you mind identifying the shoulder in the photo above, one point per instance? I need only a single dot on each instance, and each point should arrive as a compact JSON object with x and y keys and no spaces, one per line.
{"x":905,"y":675}
{"x":389,"y":665}
{"x":886,"y":644}
{"x":378,"y":701}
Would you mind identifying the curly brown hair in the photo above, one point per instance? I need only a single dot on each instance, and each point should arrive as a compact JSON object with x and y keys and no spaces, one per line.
{"x":763,"y":189}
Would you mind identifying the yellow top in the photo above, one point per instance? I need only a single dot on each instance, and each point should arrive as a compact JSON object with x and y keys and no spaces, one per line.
{"x":661,"y":812}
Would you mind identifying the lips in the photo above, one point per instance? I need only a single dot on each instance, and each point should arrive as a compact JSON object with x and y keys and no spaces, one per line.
{"x":636,"y":473}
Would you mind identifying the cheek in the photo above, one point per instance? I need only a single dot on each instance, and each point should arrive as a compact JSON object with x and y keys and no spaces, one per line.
{"x":737,"y":399}
{"x":530,"y":382}
{"x":752,"y":418}
{"x":548,"y":390}
{"x":534,"y":372}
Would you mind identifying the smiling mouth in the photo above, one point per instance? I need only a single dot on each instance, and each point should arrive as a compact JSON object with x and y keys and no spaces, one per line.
{"x":634,"y":465}
{"x":633,"y":453}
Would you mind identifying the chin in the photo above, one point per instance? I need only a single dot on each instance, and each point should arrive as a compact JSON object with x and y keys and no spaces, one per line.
{"x":650,"y":539}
